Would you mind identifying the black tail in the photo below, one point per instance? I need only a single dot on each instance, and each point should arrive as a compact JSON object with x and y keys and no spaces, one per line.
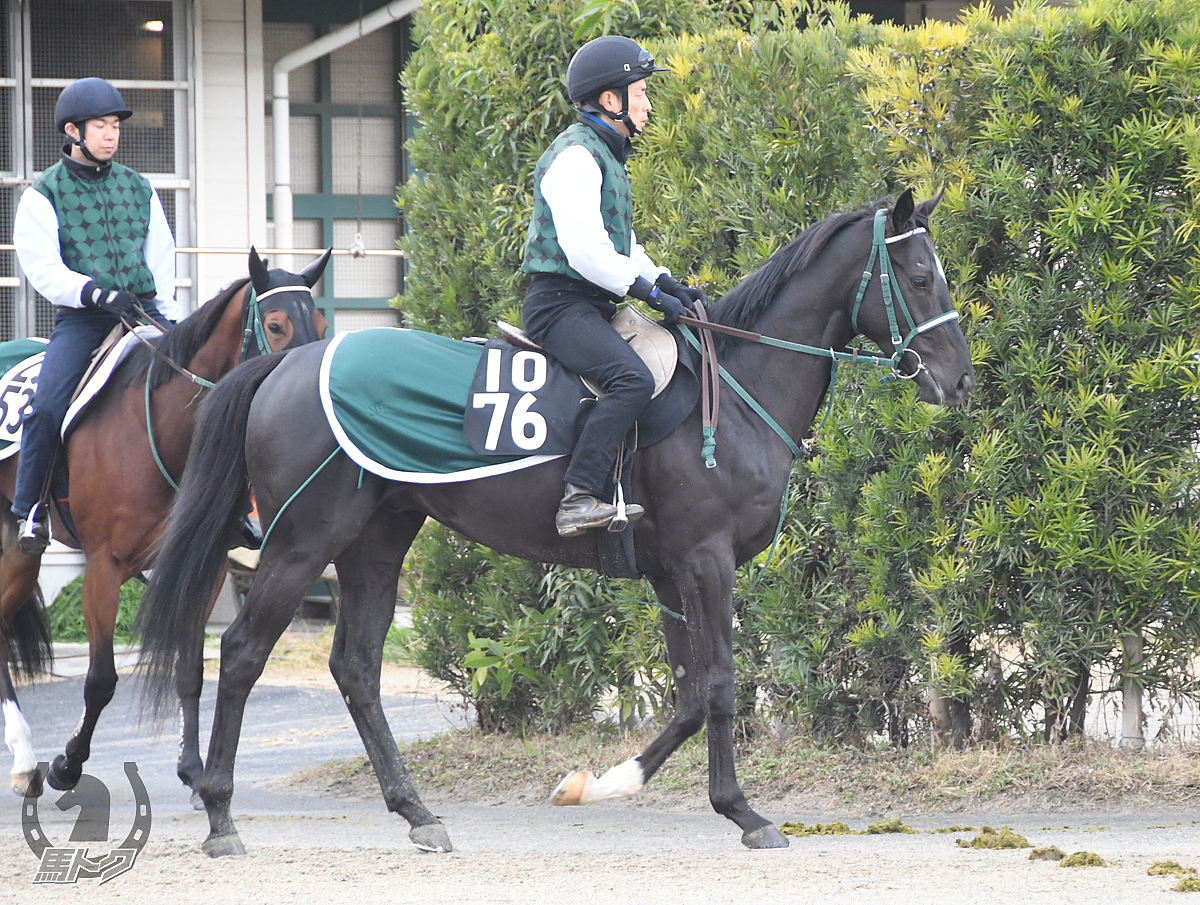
{"x":29,"y":649}
{"x":213,"y":495}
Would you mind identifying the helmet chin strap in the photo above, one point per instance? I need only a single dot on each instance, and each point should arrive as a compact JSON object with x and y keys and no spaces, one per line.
{"x":81,"y":143}
{"x":622,"y":117}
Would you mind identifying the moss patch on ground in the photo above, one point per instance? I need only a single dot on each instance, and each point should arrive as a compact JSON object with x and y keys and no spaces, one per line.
{"x":1170,"y":869}
{"x":1083,"y":859}
{"x":995,"y":839}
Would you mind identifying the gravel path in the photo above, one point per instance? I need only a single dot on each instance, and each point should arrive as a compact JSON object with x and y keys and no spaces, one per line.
{"x":308,"y":849}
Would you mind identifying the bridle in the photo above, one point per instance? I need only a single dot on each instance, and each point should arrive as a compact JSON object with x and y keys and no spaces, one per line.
{"x":893,"y":297}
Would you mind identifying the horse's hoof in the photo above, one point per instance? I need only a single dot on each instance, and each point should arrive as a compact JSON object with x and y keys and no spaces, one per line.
{"x":571,"y":789}
{"x":431,"y":837}
{"x":223,"y":846}
{"x":197,"y":802}
{"x":27,"y":783}
{"x":61,"y":777}
{"x":765,"y":837}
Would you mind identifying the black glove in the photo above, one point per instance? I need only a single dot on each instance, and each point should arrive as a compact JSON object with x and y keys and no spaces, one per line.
{"x":114,"y":301}
{"x":689,"y":294}
{"x":671,"y":307}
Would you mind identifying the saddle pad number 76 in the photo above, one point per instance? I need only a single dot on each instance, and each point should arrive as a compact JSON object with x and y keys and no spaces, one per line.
{"x":523,"y":403}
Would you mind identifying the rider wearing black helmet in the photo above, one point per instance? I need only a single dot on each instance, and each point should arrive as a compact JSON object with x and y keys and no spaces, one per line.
{"x":584,"y":258}
{"x":92,"y":237}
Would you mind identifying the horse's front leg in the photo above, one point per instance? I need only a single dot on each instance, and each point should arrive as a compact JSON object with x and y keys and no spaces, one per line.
{"x":101,"y":596}
{"x":701,"y":655}
{"x":627,"y":779}
{"x":708,"y":592}
{"x":22,"y":629}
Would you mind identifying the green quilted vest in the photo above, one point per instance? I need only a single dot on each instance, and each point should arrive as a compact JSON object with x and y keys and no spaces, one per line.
{"x":543,"y":254}
{"x":102,"y":225}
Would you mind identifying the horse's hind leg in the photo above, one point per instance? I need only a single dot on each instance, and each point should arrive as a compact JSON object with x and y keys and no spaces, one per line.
{"x":368,"y":571}
{"x":101,"y":596}
{"x":189,"y":681}
{"x":278,"y":588}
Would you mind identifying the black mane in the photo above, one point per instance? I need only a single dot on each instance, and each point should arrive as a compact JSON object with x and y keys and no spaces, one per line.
{"x":179,"y":344}
{"x":742,"y":305}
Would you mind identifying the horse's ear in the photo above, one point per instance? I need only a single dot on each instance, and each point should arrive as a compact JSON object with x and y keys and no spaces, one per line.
{"x":259,"y":275}
{"x":925,"y":209}
{"x":313,"y":271}
{"x":902,"y":212}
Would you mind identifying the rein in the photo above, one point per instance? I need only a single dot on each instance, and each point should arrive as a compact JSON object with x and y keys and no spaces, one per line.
{"x":254,"y":330}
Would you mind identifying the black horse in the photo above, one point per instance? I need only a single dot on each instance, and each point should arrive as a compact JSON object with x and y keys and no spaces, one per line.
{"x":264,"y":423}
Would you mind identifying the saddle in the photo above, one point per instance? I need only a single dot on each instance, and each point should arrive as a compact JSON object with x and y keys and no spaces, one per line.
{"x":653,"y":343}
{"x":110,"y":353}
{"x":20,"y":367}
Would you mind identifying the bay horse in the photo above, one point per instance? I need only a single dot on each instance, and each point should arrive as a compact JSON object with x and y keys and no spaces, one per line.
{"x":265,"y":425}
{"x":124,"y":455}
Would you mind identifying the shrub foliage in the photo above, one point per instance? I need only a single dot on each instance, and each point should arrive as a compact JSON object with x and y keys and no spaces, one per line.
{"x":981,"y":570}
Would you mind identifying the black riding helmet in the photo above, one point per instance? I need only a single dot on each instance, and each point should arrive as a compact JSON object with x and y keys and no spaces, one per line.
{"x":611,"y":63}
{"x":85,"y":99}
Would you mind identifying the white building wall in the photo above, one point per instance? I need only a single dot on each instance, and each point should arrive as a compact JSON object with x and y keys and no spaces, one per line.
{"x":231,"y":207}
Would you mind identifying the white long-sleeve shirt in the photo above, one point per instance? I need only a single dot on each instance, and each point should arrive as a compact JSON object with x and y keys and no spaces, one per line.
{"x":35,"y":235}
{"x":571,"y":188}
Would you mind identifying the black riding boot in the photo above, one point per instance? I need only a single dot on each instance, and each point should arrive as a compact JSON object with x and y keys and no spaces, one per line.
{"x":581,"y":510}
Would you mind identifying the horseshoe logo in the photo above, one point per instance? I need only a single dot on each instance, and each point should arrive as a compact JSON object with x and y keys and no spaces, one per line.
{"x":68,"y":864}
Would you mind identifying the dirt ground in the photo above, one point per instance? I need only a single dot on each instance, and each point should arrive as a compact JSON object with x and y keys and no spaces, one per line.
{"x":305,"y":845}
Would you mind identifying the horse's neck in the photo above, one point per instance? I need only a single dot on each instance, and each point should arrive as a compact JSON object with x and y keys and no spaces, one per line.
{"x":222,"y":352}
{"x":789,"y":385}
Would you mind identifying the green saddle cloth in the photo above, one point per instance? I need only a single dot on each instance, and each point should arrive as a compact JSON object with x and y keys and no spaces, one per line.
{"x":395,"y":401}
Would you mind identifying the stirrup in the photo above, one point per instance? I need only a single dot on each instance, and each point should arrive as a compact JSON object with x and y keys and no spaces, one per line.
{"x":33,"y":532}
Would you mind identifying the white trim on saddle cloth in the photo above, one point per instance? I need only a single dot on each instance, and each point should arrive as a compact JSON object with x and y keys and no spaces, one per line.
{"x":364,"y":461}
{"x":95,"y":381}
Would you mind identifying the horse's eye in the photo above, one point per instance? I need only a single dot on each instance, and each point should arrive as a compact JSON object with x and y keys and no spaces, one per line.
{"x":275,"y":328}
{"x":920,"y":282}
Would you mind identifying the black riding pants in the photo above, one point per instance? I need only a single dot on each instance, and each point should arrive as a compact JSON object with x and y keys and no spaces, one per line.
{"x":575,"y":332}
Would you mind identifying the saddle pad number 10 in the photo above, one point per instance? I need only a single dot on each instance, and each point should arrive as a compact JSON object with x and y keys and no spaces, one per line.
{"x":522,"y":403}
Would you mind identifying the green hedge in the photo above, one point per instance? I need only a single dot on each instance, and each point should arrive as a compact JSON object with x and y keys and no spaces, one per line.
{"x":975,"y":569}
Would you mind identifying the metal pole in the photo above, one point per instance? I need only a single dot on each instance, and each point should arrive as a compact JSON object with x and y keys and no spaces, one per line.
{"x":281,"y":107}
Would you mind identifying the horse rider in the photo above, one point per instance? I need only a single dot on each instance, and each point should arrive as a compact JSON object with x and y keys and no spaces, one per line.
{"x":584,"y":258}
{"x":91,"y":236}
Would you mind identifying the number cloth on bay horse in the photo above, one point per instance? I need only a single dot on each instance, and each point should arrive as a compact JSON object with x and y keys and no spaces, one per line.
{"x":459,"y":411}
{"x":20,"y":362}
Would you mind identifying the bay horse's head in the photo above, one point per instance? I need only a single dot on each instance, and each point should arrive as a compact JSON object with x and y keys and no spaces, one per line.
{"x":906,"y":307}
{"x":285,"y":304}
